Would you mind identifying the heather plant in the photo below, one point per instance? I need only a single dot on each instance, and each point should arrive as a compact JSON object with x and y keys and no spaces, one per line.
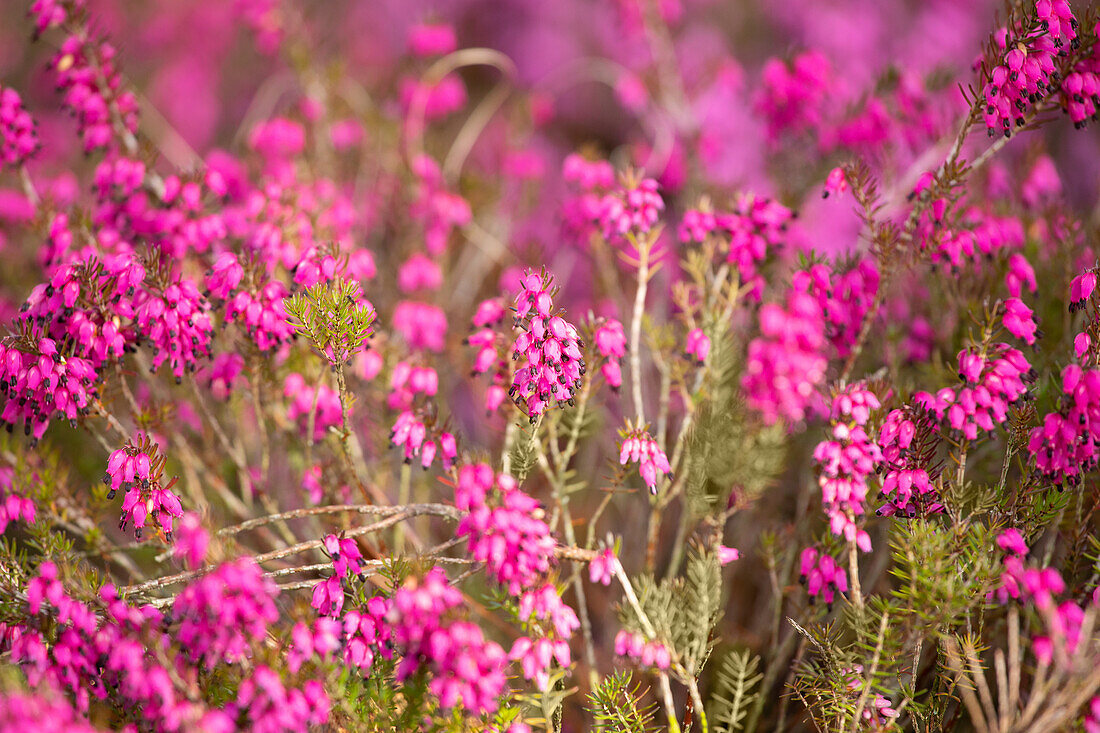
{"x":616,"y":366}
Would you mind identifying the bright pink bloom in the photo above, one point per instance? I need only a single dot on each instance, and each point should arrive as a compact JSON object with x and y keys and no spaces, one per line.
{"x":835,"y":183}
{"x":1019,"y":320}
{"x":600,"y":567}
{"x":638,"y":446}
{"x":698,"y":345}
{"x":18,"y":138}
{"x":726,"y":555}
{"x":548,"y":349}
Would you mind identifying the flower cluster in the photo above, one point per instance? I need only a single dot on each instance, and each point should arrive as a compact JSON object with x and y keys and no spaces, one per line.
{"x":786,"y":365}
{"x":993,"y":380}
{"x":266,"y":705}
{"x":633,"y":646}
{"x":794,"y":94}
{"x":631,"y":210}
{"x":328,"y":595}
{"x":136,"y":469}
{"x":591,"y":181}
{"x":878,"y":712}
{"x":547,"y":347}
{"x":697,"y":346}
{"x":638,"y":446}
{"x":1026,"y":70}
{"x":221,"y":615}
{"x":1067,"y":444}
{"x":262,"y":314}
{"x":1081,"y":87}
{"x":414,"y":438}
{"x":321,"y":405}
{"x":464,"y":667}
{"x":45,"y":709}
{"x":846,"y":461}
{"x":176,"y":320}
{"x":505,"y":527}
{"x":102,"y":655}
{"x":15,"y":505}
{"x":610,"y":341}
{"x":908,"y":443}
{"x":18,"y":137}
{"x":491,"y":347}
{"x":40,"y":382}
{"x":93,"y":92}
{"x":822,"y":575}
{"x":1040,"y":588}
{"x":755,"y":229}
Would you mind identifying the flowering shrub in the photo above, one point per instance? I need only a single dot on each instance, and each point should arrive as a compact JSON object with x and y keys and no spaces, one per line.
{"x":461,"y":370}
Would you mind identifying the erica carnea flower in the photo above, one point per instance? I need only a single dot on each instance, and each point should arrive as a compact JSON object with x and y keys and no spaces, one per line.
{"x":1026,"y":70}
{"x":992,"y":381}
{"x":633,"y":208}
{"x":601,"y":567}
{"x":909,"y":442}
{"x":638,"y":446}
{"x":835,"y":183}
{"x":223,"y":613}
{"x":822,"y":575}
{"x":633,"y":646}
{"x":846,"y":461}
{"x":793,"y":94}
{"x":698,"y":345}
{"x":1019,"y":320}
{"x":18,"y":137}
{"x":137,"y":469}
{"x":1067,"y":443}
{"x":547,"y":349}
{"x":505,"y":527}
{"x":786,"y":364}
{"x":463,"y":666}
{"x":610,"y":341}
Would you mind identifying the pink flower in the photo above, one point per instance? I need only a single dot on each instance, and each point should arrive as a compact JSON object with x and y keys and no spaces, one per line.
{"x":419,"y":273}
{"x":835,"y":183}
{"x":222,"y":614}
{"x":1011,"y":541}
{"x":793,"y":96}
{"x":422,"y":325}
{"x":18,"y":138}
{"x":505,"y":528}
{"x":1020,"y":275}
{"x":1019,"y":320}
{"x":633,"y":209}
{"x":601,"y":567}
{"x":726,"y":555}
{"x":548,"y":349}
{"x":822,"y":575}
{"x":652,"y":654}
{"x":698,"y":345}
{"x":192,"y":540}
{"x":432,"y":39}
{"x":785,"y":363}
{"x":639,"y":447}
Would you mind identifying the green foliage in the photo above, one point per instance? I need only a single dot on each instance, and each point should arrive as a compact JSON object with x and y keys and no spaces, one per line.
{"x":548,"y":702}
{"x":683,"y":610}
{"x":725,"y":448}
{"x":524,"y":452}
{"x":734,"y":695}
{"x":942,"y":573}
{"x":332,"y":317}
{"x":619,"y":707}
